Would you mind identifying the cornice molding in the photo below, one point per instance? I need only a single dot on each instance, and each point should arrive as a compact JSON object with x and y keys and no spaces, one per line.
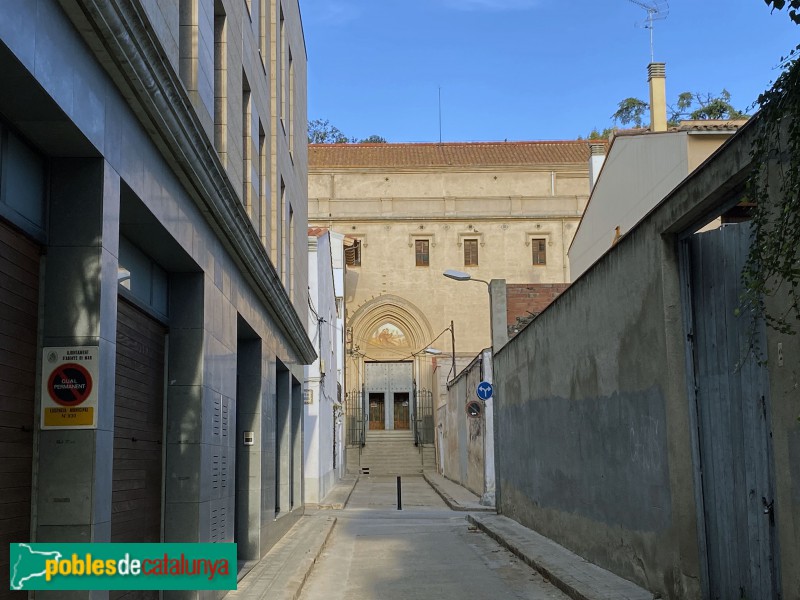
{"x":119,"y":36}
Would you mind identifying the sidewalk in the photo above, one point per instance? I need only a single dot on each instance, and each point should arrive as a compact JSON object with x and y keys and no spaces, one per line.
{"x":570,"y":573}
{"x":281,"y":573}
{"x":455,"y":496}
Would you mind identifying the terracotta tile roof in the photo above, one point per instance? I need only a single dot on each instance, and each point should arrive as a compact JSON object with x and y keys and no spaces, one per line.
{"x":317,"y":231}
{"x":712,"y":125}
{"x":696,"y":125}
{"x":460,"y":154}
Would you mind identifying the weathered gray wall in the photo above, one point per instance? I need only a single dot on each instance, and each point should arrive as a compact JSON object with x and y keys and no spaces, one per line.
{"x":464,"y":437}
{"x":592,"y":428}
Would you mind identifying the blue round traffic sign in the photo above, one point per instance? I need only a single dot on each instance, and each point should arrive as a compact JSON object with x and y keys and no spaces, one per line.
{"x":484,"y":390}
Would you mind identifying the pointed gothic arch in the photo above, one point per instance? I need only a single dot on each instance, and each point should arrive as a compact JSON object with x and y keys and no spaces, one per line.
{"x":395,"y":317}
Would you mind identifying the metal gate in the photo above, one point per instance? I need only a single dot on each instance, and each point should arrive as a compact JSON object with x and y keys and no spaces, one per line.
{"x":354,"y":418}
{"x":423,"y":424}
{"x":733,"y":450}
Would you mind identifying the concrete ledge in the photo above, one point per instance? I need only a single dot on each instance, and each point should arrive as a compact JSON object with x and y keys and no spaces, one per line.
{"x":339,"y":496}
{"x":570,"y":573}
{"x":282,"y":572}
{"x":455,"y":496}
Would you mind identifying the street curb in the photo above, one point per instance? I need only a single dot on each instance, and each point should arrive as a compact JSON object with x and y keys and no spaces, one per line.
{"x":570,"y":573}
{"x":307,"y":563}
{"x":340,"y":505}
{"x":451,"y":502}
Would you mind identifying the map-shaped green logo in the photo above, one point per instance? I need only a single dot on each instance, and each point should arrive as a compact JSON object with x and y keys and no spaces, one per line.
{"x":27,"y":564}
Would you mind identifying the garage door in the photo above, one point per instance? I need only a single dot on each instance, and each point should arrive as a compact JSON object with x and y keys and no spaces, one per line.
{"x":19,"y":293}
{"x":138,"y":431}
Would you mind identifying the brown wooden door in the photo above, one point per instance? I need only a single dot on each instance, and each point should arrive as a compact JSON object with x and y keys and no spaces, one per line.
{"x":138,"y":431}
{"x":401,"y":411}
{"x":377,"y":414}
{"x":19,"y":302}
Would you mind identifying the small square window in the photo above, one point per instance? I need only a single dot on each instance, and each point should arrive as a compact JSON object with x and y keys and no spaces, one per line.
{"x":352,"y":255}
{"x":539,"y":251}
{"x":470,"y":253}
{"x":422,"y":253}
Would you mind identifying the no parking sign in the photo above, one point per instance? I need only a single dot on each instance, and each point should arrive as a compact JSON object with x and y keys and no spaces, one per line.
{"x":69,"y":387}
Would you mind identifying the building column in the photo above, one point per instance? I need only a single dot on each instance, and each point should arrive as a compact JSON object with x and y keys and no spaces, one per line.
{"x":73,"y":467}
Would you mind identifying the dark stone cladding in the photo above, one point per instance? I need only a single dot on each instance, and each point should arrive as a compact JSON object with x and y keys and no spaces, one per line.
{"x":118,"y":33}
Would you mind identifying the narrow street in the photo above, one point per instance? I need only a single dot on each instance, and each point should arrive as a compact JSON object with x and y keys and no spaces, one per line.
{"x":425,"y":550}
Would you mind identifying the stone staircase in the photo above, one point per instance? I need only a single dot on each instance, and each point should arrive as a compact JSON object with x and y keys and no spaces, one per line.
{"x":392,"y":452}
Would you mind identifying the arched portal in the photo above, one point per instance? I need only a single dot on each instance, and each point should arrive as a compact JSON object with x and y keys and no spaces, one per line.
{"x":388,"y":333}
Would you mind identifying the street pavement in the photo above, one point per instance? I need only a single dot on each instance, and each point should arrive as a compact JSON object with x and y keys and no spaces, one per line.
{"x":442,"y":544}
{"x":423,"y":551}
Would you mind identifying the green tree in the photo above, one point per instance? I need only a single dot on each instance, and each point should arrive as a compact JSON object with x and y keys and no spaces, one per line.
{"x":320,"y":131}
{"x":689,"y":105}
{"x":630,"y":112}
{"x":373,"y":139}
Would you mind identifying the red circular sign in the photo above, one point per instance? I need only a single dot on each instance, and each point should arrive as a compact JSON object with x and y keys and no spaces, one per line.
{"x":69,"y":384}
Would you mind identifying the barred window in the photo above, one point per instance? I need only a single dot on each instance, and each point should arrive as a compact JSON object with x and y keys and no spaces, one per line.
{"x":422,"y":253}
{"x":470,"y":253}
{"x":539,"y":251}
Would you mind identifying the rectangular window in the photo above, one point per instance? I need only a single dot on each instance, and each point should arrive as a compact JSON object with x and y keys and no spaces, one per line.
{"x":247,"y":148}
{"x":283,"y":72}
{"x":263,"y":25}
{"x":539,"y":251}
{"x":263,"y":189}
{"x":470,"y":253}
{"x":352,"y":254}
{"x":422,"y":253}
{"x":220,"y":82}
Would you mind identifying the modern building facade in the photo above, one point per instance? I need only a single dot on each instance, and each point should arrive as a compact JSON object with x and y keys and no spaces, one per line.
{"x":154,"y":265}
{"x":503,"y":210}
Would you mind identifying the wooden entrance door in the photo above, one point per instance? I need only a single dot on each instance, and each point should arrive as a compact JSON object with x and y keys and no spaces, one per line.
{"x":733,"y":415}
{"x":377,"y":416}
{"x":401,"y":411}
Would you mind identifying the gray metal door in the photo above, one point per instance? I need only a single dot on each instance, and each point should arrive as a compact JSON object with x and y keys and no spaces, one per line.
{"x":733,"y":424}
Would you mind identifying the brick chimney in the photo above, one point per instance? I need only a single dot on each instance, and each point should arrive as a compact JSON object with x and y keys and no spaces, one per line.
{"x":657,"y":76}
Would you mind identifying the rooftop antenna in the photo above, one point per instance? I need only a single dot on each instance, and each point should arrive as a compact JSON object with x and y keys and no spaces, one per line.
{"x":440,"y":115}
{"x":657,"y":10}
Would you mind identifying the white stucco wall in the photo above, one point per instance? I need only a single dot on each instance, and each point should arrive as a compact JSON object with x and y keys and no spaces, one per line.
{"x":321,"y":376}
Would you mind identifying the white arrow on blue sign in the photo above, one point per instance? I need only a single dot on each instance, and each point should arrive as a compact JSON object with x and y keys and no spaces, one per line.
{"x":484,"y":390}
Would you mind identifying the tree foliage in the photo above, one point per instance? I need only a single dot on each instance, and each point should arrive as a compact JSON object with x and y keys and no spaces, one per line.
{"x":630,"y":112}
{"x":321,"y":131}
{"x":794,"y":8}
{"x":773,"y":263}
{"x":373,"y":139}
{"x":689,"y":105}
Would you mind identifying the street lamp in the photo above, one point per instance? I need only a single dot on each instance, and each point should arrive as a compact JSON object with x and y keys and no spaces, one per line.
{"x":461,"y":276}
{"x":433,"y":351}
{"x":498,"y":329}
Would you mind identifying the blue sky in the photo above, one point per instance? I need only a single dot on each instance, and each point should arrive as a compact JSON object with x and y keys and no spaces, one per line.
{"x":523,"y":69}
